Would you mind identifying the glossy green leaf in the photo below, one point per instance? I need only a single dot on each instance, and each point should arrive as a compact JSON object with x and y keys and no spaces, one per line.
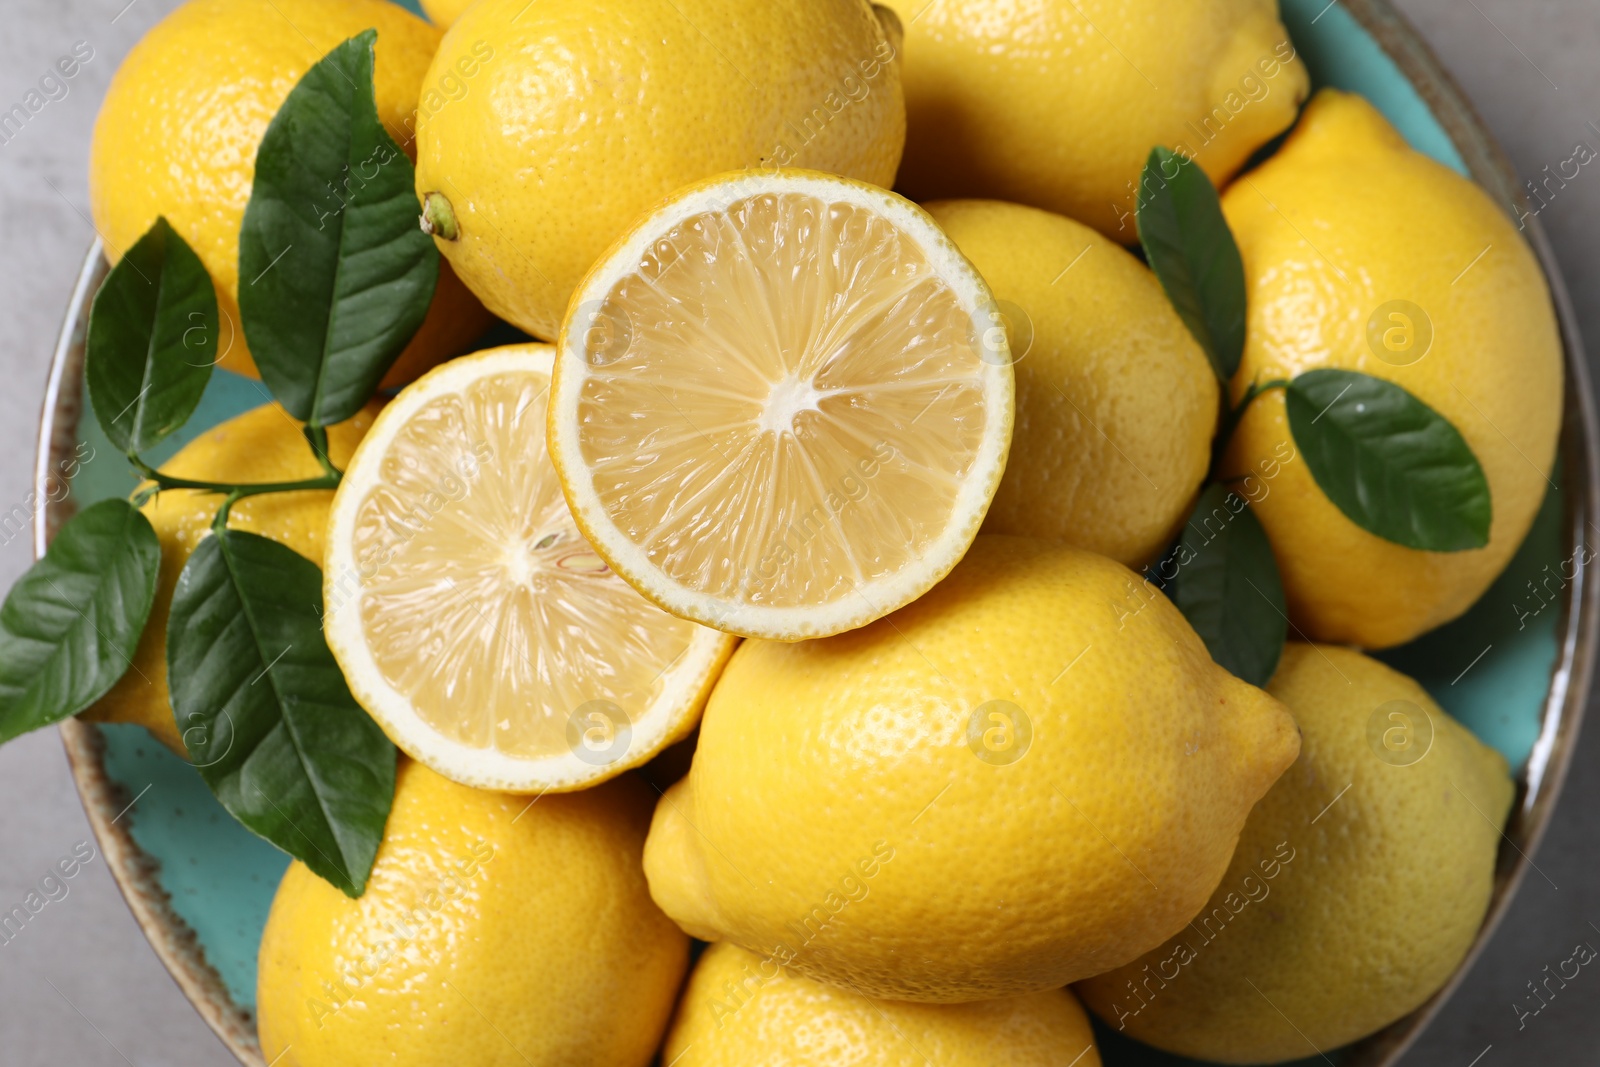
{"x":265,"y":711}
{"x":335,"y":274}
{"x":1228,"y":586}
{"x":152,"y":340}
{"x":69,"y":627}
{"x":1188,"y":244}
{"x":1392,"y":464}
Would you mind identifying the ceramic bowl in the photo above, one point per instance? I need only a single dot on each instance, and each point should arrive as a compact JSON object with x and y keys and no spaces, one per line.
{"x":1516,"y":669}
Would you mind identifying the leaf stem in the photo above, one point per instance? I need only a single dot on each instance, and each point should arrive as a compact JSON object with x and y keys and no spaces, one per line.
{"x":1233,"y":416}
{"x":219,"y":521}
{"x":317,"y":437}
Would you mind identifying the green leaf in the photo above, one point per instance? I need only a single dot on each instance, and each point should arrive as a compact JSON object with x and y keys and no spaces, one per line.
{"x":152,"y":340}
{"x":69,"y":627}
{"x":335,"y":274}
{"x":1228,"y":586}
{"x":1392,"y":464}
{"x":1189,"y":246}
{"x":269,"y":721}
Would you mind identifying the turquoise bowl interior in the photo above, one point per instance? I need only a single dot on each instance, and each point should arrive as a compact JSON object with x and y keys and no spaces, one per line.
{"x":1491,"y":669}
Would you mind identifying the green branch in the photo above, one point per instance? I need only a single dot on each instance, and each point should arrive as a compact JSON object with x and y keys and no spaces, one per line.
{"x":232,"y":491}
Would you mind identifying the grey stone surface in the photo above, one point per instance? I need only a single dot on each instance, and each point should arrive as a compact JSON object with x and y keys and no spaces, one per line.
{"x":80,"y":986}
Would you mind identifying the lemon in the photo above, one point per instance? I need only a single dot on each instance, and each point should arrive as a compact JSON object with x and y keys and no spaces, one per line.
{"x":1057,"y":103}
{"x":263,"y":445}
{"x":1033,"y":774}
{"x":470,"y":617}
{"x":741,"y":1009}
{"x":1360,"y":881}
{"x":578,"y":115}
{"x":784,"y":405}
{"x":444,"y":12}
{"x":1353,"y":242}
{"x":1116,"y":403}
{"x":495,"y":931}
{"x":178,"y":132}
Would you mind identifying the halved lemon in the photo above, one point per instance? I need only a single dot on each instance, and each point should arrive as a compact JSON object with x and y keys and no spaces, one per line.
{"x":782,"y":404}
{"x":471,"y":618}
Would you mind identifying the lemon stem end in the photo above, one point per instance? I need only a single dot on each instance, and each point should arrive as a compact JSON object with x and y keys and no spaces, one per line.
{"x":439,"y":218}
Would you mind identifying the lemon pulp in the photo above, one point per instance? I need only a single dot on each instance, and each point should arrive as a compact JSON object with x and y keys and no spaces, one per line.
{"x":791,"y":408}
{"x":474,"y":620}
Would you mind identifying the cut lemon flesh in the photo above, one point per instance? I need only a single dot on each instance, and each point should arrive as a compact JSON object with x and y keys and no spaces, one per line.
{"x":782,"y":404}
{"x":473,"y":620}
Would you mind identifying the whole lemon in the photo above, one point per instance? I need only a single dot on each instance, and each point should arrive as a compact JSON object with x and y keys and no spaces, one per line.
{"x":178,"y":133}
{"x":264,"y":445}
{"x":1032,"y":774}
{"x":1057,"y":103}
{"x":496,"y":931}
{"x":741,"y":1009}
{"x":1362,"y":254}
{"x":1360,"y":881}
{"x":1116,"y":402}
{"x":572,"y":117}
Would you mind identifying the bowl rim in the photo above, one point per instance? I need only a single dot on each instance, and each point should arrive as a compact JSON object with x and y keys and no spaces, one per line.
{"x":104,"y":800}
{"x":1578,"y":631}
{"x":1578,"y":449}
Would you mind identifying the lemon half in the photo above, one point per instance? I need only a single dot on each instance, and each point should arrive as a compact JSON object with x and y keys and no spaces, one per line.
{"x":782,"y":404}
{"x":472,"y":619}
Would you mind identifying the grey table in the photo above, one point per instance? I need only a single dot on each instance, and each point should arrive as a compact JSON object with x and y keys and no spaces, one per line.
{"x":80,"y":986}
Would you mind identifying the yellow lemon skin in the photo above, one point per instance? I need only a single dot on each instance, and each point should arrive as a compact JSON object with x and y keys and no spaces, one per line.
{"x":178,"y":133}
{"x":264,"y":445}
{"x":1032,"y":774}
{"x":495,"y":931}
{"x":1359,"y":885}
{"x":1116,"y":402}
{"x":1389,"y":224}
{"x":444,"y":12}
{"x":740,"y":1009}
{"x":579,"y":115}
{"x":1057,"y":103}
